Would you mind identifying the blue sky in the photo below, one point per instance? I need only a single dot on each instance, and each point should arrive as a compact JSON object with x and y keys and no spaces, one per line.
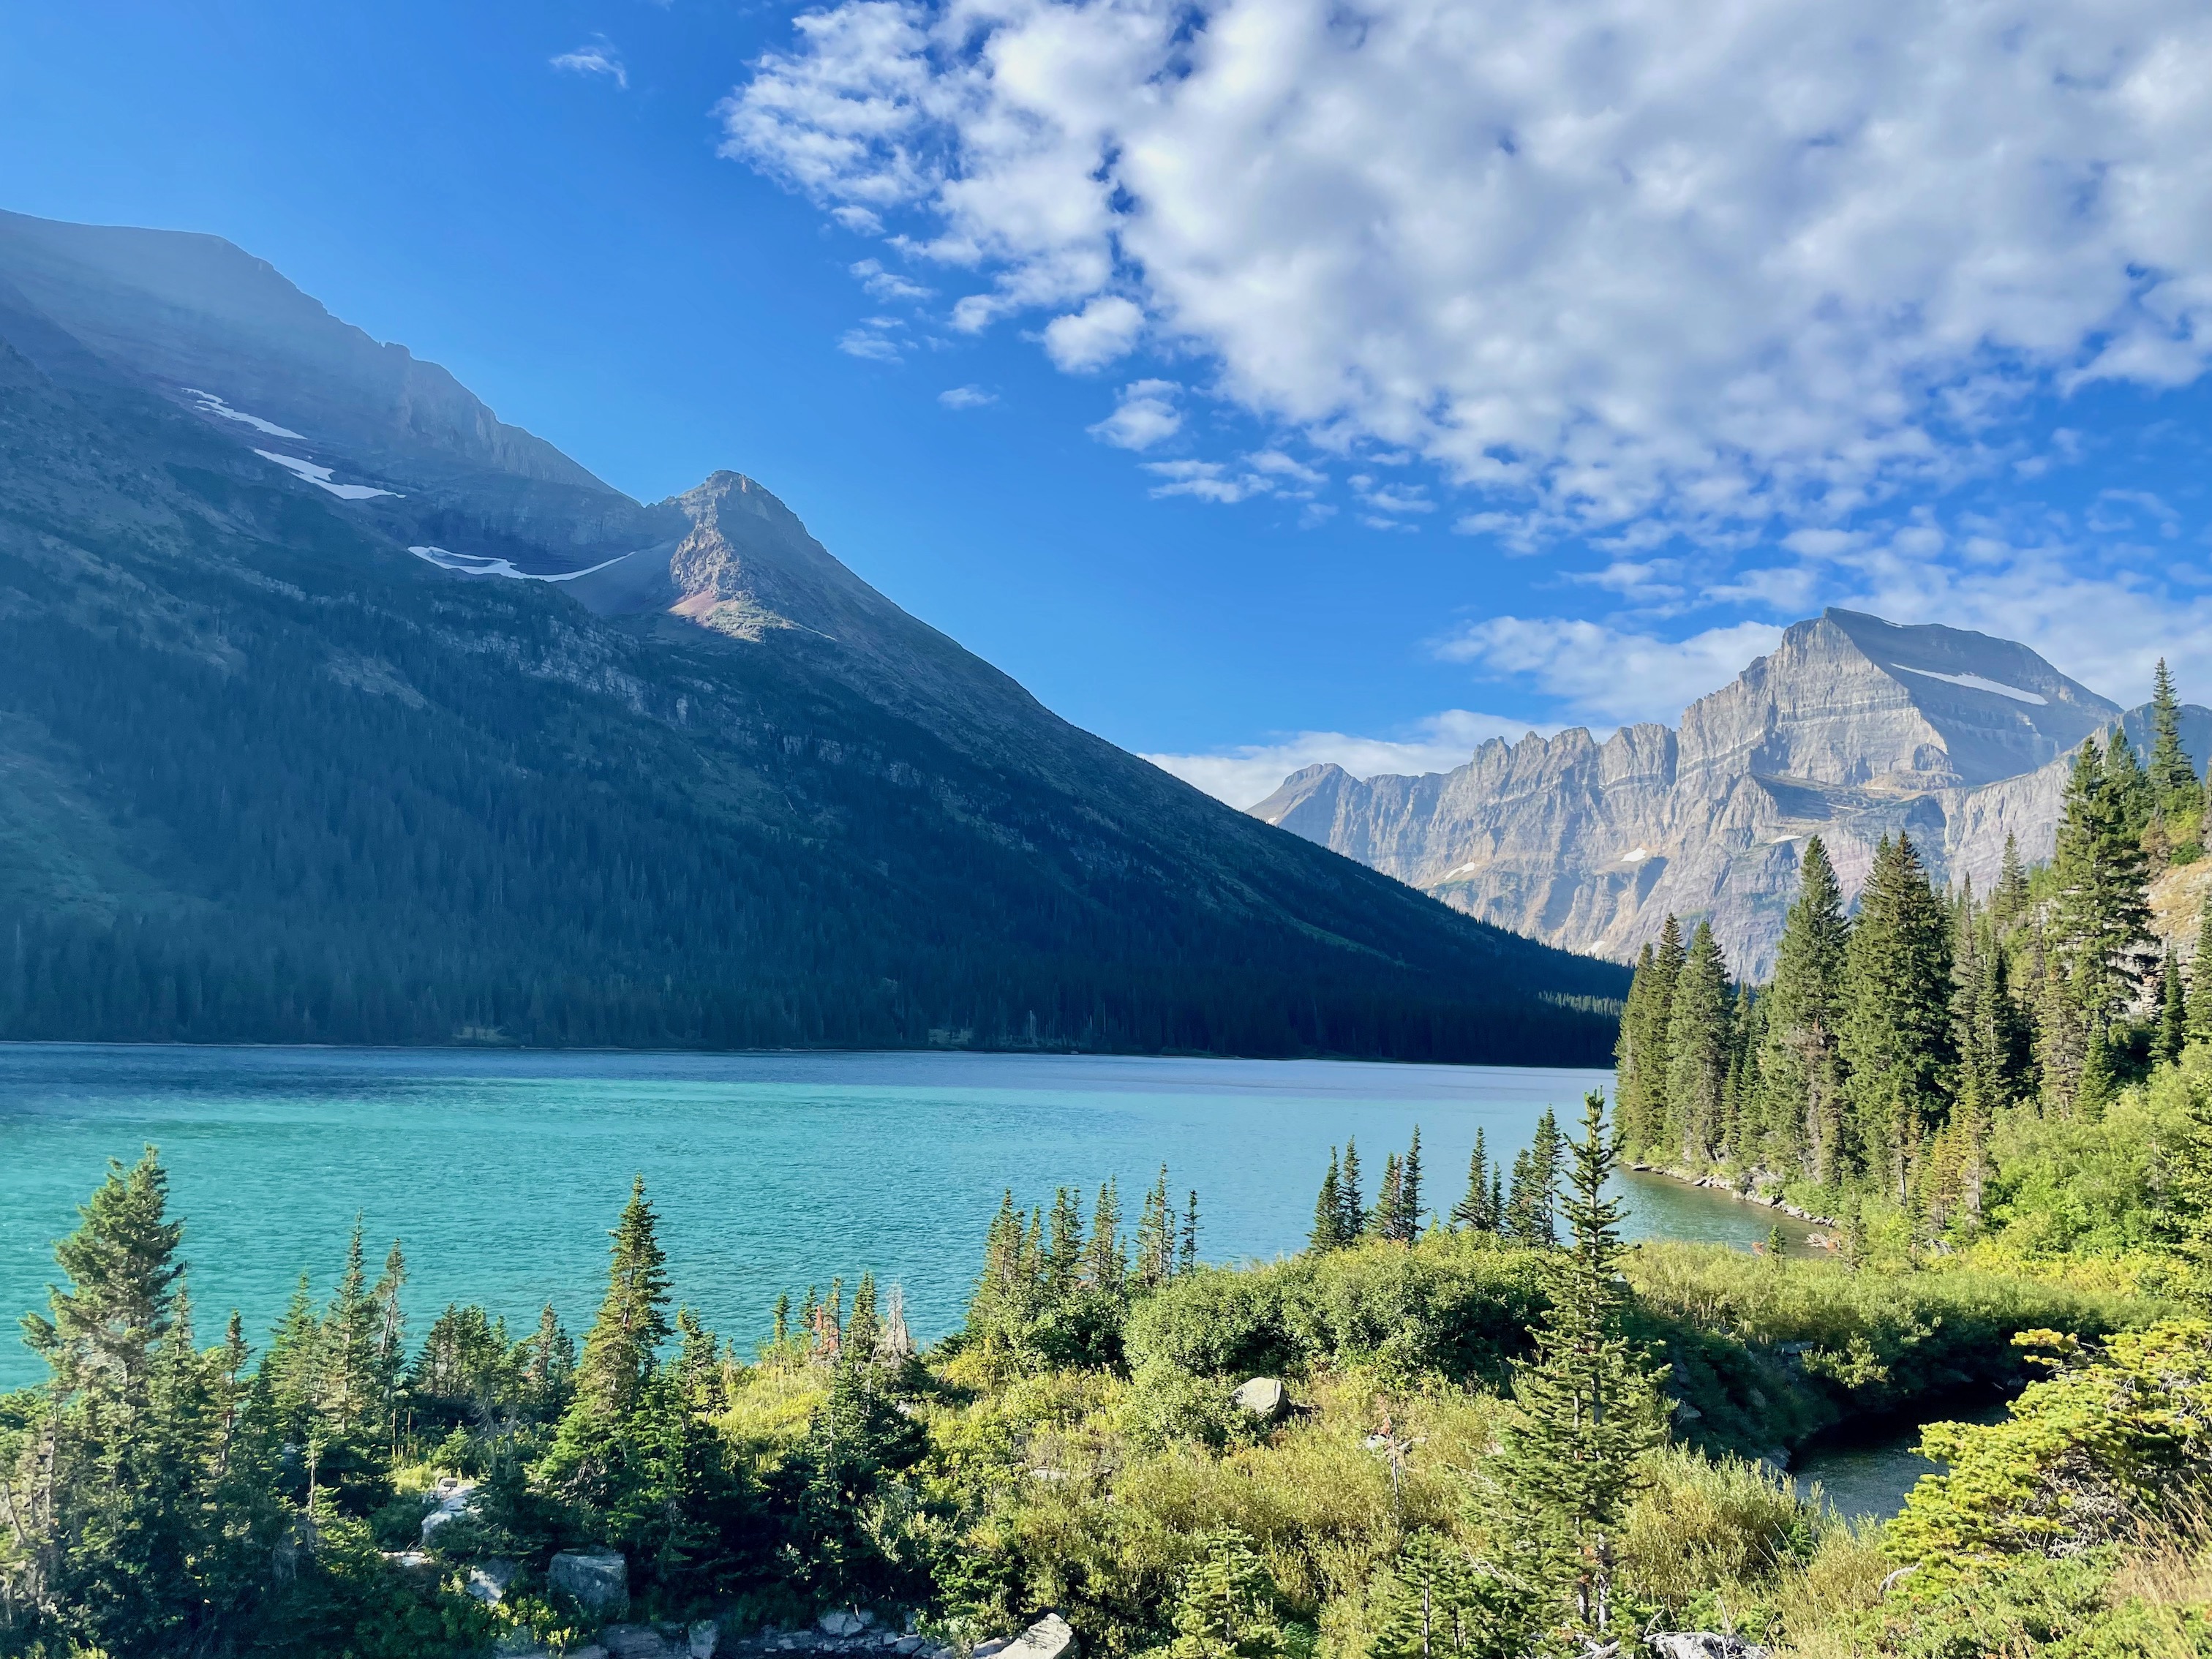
{"x":1318,"y":390}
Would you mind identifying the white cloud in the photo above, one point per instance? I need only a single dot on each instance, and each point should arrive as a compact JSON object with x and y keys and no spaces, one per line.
{"x":1607,"y":674}
{"x":1145,"y":416}
{"x":873,"y":340}
{"x":599,"y":57}
{"x":888,"y":284}
{"x":1094,"y":336}
{"x":966,"y":396}
{"x":1251,"y":773}
{"x":1622,"y":259}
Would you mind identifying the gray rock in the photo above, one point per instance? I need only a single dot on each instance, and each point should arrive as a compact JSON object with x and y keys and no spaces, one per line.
{"x":986,"y":1650}
{"x":700,"y":1639}
{"x":599,"y":1579}
{"x":1851,"y":727}
{"x":1050,"y":1637}
{"x":636,"y":1642}
{"x":455,"y":1497}
{"x":839,"y":1622}
{"x":488,"y":1580}
{"x":1262,"y":1396}
{"x":908,"y":1645}
{"x":1703,"y":1645}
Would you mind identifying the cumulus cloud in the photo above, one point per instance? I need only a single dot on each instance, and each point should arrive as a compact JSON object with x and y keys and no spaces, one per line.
{"x":1146,"y":415}
{"x":874,"y":339}
{"x":1094,"y":336}
{"x":888,"y":284}
{"x":1623,"y":259}
{"x":1250,"y":773}
{"x":598,"y":58}
{"x":966,"y":396}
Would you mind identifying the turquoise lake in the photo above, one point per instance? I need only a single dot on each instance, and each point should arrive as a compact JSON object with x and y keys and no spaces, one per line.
{"x":500,"y":1172}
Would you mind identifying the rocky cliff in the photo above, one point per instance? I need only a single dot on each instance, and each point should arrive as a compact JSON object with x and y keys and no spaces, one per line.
{"x":1852,"y":728}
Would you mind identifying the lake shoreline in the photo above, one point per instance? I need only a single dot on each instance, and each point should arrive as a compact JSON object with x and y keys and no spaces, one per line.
{"x":1712,"y":1183}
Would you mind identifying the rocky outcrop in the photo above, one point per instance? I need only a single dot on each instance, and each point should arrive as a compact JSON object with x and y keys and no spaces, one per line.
{"x":1853,"y":728}
{"x":598,"y":1579}
{"x":1263,"y":1397}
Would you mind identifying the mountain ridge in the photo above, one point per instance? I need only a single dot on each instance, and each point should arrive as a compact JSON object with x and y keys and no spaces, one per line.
{"x":323,"y":716}
{"x":1853,"y":727}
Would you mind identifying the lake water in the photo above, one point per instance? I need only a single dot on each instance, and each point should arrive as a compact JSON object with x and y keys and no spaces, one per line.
{"x":500,"y":1172}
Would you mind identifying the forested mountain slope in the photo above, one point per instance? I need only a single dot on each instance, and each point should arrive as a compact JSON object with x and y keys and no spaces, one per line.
{"x":333,"y":708}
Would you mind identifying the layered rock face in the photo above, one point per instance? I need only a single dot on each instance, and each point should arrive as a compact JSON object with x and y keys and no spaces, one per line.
{"x":1853,"y":728}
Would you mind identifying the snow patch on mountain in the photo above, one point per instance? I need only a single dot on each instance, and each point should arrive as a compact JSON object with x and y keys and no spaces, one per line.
{"x":308,"y":472}
{"x":1976,"y":682}
{"x":211,"y":405}
{"x":477,"y":564}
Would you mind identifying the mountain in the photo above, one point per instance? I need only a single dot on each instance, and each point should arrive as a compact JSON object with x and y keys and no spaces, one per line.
{"x":1852,"y":728}
{"x":332,"y":708}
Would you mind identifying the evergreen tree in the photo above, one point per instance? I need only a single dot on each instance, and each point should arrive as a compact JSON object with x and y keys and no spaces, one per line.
{"x":1063,"y":1256}
{"x":1190,"y":1231}
{"x":1224,"y":1605}
{"x":2174,"y":780}
{"x":1631,"y":1071}
{"x":1800,"y":1063}
{"x":1106,"y":1264}
{"x":1328,"y":1212}
{"x":1155,"y":1263}
{"x":1588,"y":1405}
{"x":1472,"y":1212}
{"x":1895,"y":1042}
{"x":1386,"y":1222}
{"x":391,"y":1352}
{"x":2134,"y":801}
{"x":2060,"y":1042}
{"x":350,"y":1343}
{"x":2102,"y":914}
{"x":864,"y":1332}
{"x":1352,"y":1221}
{"x":1409,"y":1190}
{"x":2200,"y":990}
{"x":2008,"y":902}
{"x":1698,"y":1045}
{"x":620,"y":1348}
{"x":2172,"y":1031}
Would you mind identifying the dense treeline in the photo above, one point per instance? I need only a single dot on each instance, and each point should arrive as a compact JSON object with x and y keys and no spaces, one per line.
{"x":269,"y":780}
{"x":1892,"y":1043}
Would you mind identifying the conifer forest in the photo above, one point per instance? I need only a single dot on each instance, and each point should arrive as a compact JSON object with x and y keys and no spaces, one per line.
{"x":1466,"y":1419}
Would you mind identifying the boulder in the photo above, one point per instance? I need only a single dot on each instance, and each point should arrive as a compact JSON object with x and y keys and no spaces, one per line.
{"x":488,"y":1580}
{"x":1050,"y":1637}
{"x":1703,"y":1645}
{"x":1262,"y":1396}
{"x":700,"y":1639}
{"x":839,"y":1622}
{"x":454,"y":1499}
{"x":598,"y":1579}
{"x":990,"y":1649}
{"x":635,"y":1642}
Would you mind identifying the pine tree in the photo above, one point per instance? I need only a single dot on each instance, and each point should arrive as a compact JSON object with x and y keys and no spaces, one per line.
{"x":1385,"y":1223}
{"x":2173,"y":778}
{"x":1409,"y":1191}
{"x":2102,"y":914}
{"x":1224,"y":1605}
{"x":1352,"y":1221}
{"x":1328,"y":1219}
{"x":2199,"y":992}
{"x":864,"y":1331}
{"x":2134,"y":798}
{"x":1063,"y":1257}
{"x":349,"y":1338}
{"x":1631,"y":1062}
{"x":1155,"y":1263}
{"x":2009,"y":901}
{"x":1588,"y":1405}
{"x":620,"y":1348}
{"x":1896,"y":1037}
{"x":1471,"y":1213}
{"x":391,"y":1356}
{"x":1190,"y":1231}
{"x":1698,"y":1048}
{"x":1106,"y":1264}
{"x":2060,"y":1041}
{"x":2172,"y":1031}
{"x":1800,"y":1063}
